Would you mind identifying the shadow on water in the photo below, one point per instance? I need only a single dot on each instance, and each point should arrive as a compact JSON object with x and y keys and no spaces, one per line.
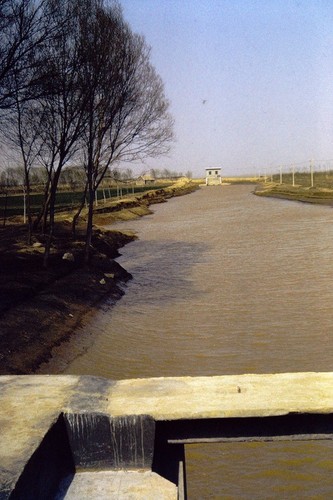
{"x":224,"y":283}
{"x":161,"y":269}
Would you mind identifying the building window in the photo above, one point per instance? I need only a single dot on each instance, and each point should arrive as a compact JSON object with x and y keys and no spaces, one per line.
{"x":210,"y":173}
{"x":216,"y":172}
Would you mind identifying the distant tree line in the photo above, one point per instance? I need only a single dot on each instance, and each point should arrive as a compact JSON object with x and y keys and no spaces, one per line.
{"x":76,"y":87}
{"x":73,"y":176}
{"x":165,"y":173}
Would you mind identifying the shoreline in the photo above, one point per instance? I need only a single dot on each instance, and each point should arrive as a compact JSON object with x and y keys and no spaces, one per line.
{"x":314,"y":195}
{"x":41,"y":309}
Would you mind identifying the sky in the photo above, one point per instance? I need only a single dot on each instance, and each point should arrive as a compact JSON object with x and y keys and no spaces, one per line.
{"x":250,"y":82}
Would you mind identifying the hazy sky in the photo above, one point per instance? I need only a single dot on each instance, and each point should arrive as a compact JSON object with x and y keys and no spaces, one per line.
{"x":250,"y":82}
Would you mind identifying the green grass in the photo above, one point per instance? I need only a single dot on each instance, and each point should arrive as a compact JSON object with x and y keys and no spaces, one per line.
{"x":320,"y":179}
{"x":14,"y":204}
{"x":320,"y":191}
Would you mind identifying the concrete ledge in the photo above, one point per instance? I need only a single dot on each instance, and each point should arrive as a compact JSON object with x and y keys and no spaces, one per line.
{"x":38,"y":411}
{"x":104,"y":485}
{"x":224,"y":396}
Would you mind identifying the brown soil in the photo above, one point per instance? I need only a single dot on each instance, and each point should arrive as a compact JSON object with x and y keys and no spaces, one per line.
{"x":315,"y":195}
{"x":40,"y":308}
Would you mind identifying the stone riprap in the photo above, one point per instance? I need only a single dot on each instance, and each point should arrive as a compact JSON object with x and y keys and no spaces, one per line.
{"x":74,"y":424}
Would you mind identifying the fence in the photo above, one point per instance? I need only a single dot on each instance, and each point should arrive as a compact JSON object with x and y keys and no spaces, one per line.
{"x":14,"y":204}
{"x":310,"y":173}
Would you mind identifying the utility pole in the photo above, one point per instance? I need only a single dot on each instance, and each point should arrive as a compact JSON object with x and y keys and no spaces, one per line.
{"x":293,"y":175}
{"x":280,"y":175}
{"x":311,"y":172}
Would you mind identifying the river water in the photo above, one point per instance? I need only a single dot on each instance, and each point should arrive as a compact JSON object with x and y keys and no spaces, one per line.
{"x":224,"y":282}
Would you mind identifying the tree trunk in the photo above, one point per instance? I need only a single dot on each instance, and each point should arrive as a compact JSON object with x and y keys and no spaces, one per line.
{"x":53,"y":193}
{"x":44,"y":210}
{"x":78,"y":213}
{"x":28,"y":205}
{"x":51,"y":228}
{"x":89,"y":232}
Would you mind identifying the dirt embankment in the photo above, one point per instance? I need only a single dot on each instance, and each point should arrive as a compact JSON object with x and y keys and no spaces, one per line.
{"x":136,"y":206}
{"x":317,"y":195}
{"x":40,"y":308}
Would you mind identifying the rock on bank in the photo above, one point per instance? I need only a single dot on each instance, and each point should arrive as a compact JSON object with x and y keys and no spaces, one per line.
{"x":40,"y":308}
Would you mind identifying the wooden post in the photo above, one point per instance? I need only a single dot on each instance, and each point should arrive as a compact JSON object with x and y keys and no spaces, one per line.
{"x":311,"y":172}
{"x":293,"y":175}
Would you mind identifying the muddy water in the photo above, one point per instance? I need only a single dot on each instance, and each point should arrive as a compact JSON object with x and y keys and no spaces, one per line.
{"x":224,"y":283}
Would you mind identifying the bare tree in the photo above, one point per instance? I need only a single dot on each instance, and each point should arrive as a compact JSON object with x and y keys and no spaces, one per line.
{"x":22,"y":133}
{"x":167,"y":174}
{"x":40,"y":87}
{"x":127,"y":113}
{"x":127,"y":174}
{"x":25,"y":25}
{"x":12,"y":177}
{"x":78,"y":84}
{"x":73,"y":176}
{"x":23,"y":28}
{"x":62,"y":104}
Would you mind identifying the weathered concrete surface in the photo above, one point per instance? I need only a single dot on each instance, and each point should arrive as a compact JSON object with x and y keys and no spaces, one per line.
{"x":120,"y":485}
{"x":224,"y":396}
{"x":30,"y":405}
{"x":101,"y":441}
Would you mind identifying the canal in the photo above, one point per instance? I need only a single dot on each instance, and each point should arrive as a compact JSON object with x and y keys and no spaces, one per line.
{"x":224,"y":282}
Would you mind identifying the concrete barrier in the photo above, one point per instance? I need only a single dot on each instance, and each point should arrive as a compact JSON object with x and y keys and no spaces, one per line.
{"x":87,"y":437}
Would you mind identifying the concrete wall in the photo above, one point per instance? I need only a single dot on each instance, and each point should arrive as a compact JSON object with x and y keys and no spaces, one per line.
{"x":62,"y":436}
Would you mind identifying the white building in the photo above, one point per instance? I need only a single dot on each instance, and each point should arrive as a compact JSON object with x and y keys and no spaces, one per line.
{"x":213,"y":176}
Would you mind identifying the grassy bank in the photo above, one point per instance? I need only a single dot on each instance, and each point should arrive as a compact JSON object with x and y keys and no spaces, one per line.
{"x":40,"y":308}
{"x":240,"y":180}
{"x":12,"y":203}
{"x":133,"y":206}
{"x":317,"y":195}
